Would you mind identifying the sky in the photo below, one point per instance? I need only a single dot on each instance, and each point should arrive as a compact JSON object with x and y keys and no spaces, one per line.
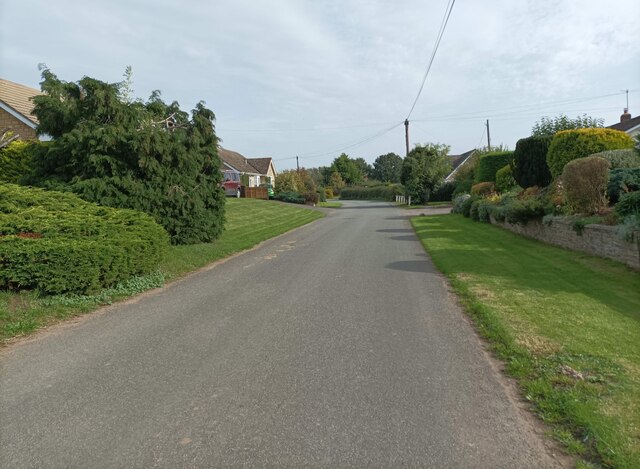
{"x":316,"y":78}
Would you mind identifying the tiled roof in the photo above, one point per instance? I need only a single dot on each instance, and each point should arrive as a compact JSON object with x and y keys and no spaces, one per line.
{"x":17,"y":97}
{"x":626,"y":125}
{"x":456,"y":160}
{"x":237,"y":161}
{"x":261,"y":164}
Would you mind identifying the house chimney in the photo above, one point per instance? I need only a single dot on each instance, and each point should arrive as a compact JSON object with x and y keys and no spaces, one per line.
{"x":625,"y":116}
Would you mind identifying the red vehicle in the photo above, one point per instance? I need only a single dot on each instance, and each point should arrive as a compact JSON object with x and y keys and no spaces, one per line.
{"x":231,"y":183}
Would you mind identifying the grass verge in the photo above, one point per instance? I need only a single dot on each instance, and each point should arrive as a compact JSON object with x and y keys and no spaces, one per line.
{"x":567,"y":326}
{"x":428,"y":204}
{"x":249,"y":222}
{"x":330,"y":204}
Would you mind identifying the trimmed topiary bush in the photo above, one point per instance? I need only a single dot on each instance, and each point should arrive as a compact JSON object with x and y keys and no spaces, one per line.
{"x":489,"y":164}
{"x":530,"y":161}
{"x":483,"y":188}
{"x":569,"y":145}
{"x":57,"y":243}
{"x":504,"y":179}
{"x":585,"y":184}
{"x":625,"y":158}
{"x":621,"y":181}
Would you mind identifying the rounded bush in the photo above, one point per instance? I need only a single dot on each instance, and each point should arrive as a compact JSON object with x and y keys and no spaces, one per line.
{"x":483,"y":188}
{"x":625,"y":158}
{"x":585,"y":184}
{"x":489,"y":164}
{"x":504,"y":179}
{"x":568,"y":145}
{"x":530,"y":161}
{"x":57,"y":243}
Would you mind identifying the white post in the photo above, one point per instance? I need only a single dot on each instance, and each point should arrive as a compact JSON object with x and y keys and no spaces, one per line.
{"x":409,"y":201}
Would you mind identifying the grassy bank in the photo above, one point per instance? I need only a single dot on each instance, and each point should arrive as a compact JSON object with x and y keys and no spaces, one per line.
{"x":566,"y":324}
{"x":249,"y":222}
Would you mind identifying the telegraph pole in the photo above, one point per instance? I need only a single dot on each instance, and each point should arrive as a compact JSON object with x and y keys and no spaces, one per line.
{"x":488,"y":137}
{"x":297,"y":164}
{"x":406,"y":136}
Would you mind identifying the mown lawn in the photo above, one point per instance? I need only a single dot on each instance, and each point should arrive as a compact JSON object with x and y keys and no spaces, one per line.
{"x":249,"y":222}
{"x":566,"y":324}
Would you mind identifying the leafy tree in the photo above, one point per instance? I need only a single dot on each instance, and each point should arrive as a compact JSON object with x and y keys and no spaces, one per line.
{"x":364,"y":167}
{"x":149,"y":156}
{"x":348,"y":169}
{"x":549,"y":126}
{"x":387,"y":168}
{"x":336,"y":182}
{"x":424,"y":168}
{"x":289,"y":181}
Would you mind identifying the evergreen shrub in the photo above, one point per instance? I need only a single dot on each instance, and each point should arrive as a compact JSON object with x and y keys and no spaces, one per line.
{"x":504,"y":179}
{"x":568,"y":145}
{"x":628,"y":205}
{"x":530,"y":161}
{"x":15,"y":160}
{"x":57,"y":243}
{"x":621,"y":181}
{"x":290,"y":197}
{"x":443,"y":192}
{"x":625,"y":158}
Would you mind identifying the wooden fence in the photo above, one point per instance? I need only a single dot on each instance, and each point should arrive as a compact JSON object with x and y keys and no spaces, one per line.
{"x":254,"y":193}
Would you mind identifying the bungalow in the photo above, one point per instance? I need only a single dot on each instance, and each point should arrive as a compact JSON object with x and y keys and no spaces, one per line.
{"x":628,"y":124}
{"x":16,"y":110}
{"x":255,"y":170}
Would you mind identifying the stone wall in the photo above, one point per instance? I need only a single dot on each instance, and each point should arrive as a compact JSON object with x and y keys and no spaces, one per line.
{"x":598,"y":240}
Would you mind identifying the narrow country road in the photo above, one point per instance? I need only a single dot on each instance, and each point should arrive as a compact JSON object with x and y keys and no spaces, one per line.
{"x":335,"y":345}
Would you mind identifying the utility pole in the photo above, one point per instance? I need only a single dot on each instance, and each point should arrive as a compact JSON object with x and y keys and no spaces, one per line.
{"x":406,"y":136}
{"x":488,"y":137}
{"x":297,"y":164}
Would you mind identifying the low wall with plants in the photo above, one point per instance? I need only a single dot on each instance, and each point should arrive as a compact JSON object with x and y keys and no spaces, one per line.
{"x":598,"y":240}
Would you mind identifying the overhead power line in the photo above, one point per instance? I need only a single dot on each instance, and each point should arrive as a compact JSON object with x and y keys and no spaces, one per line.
{"x":346,"y":146}
{"x":443,"y":26}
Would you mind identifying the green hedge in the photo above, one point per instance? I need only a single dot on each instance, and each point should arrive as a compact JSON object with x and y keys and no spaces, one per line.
{"x":530,"y":162}
{"x":568,"y":145}
{"x":387,"y":193}
{"x":290,"y":197}
{"x":585,"y":184}
{"x":489,"y":164}
{"x":57,"y":243}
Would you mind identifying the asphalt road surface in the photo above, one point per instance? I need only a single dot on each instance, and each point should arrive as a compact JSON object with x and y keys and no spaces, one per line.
{"x":335,"y":345}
